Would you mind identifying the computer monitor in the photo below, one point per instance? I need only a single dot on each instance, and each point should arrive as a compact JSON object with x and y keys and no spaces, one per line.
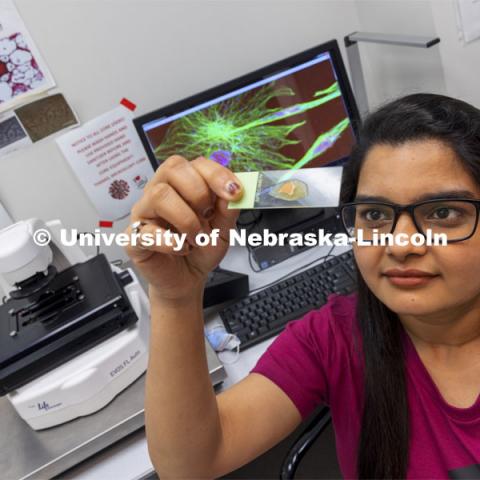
{"x":295,"y":113}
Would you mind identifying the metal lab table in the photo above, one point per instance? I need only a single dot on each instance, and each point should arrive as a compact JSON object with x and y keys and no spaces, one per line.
{"x":30,"y":454}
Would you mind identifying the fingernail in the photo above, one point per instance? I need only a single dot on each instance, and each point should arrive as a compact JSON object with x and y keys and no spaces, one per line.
{"x":233,"y":188}
{"x":208,"y":212}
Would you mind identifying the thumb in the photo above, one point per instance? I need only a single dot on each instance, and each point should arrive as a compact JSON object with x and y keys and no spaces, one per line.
{"x":224,"y":218}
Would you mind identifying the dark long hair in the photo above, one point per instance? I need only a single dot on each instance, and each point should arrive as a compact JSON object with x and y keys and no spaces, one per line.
{"x":383,"y":443}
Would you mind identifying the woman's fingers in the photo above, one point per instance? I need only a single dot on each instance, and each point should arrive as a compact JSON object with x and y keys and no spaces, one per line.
{"x":220,"y":179}
{"x":224,"y":219}
{"x":162,"y":204}
{"x":190,"y":185}
{"x":151,"y":238}
{"x":227,"y":187}
{"x":199,"y":182}
{"x":182,"y":196}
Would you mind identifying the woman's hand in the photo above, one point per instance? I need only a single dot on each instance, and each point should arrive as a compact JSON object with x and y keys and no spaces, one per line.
{"x":185,"y":197}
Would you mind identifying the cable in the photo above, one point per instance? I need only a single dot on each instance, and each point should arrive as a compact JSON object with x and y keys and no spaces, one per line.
{"x":256,"y":216}
{"x":88,"y":233}
{"x":250,"y":261}
{"x":324,"y":258}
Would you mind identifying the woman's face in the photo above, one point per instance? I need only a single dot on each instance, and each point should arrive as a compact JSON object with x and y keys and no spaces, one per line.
{"x":401,"y":174}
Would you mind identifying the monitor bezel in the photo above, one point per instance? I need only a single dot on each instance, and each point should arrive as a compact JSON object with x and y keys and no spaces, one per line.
{"x":256,"y":75}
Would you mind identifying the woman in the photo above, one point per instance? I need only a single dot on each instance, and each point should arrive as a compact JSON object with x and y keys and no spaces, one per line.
{"x":398,"y":363}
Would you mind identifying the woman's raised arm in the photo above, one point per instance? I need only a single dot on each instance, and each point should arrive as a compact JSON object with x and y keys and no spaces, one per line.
{"x":191,"y":432}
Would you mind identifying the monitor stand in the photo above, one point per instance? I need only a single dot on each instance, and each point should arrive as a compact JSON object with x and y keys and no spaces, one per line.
{"x":287,"y":220}
{"x":277,"y":219}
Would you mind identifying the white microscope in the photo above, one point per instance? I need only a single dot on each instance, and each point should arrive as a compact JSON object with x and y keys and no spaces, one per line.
{"x":73,"y":329}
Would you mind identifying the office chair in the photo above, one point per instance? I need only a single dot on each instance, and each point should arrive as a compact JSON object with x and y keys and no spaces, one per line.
{"x":297,"y":451}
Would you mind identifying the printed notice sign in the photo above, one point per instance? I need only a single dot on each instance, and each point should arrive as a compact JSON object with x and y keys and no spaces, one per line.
{"x":109,"y":160}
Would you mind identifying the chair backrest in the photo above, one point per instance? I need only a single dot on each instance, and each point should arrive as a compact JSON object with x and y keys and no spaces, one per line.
{"x":297,"y":451}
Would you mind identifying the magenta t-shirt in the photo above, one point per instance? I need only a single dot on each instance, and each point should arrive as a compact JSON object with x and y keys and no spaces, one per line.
{"x":315,"y":361}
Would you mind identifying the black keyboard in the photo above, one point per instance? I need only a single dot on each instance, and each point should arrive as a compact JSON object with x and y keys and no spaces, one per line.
{"x":263,"y":315}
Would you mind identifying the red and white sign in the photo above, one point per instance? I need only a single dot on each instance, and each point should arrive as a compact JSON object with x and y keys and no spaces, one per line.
{"x":109,"y":160}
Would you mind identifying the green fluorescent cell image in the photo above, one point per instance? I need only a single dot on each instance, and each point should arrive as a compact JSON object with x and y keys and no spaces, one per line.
{"x":276,"y":126}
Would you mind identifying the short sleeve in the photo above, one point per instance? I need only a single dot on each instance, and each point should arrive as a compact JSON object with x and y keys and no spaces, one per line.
{"x":298,"y":360}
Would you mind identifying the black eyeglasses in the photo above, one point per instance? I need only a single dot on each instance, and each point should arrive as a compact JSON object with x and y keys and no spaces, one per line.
{"x":456,"y":219}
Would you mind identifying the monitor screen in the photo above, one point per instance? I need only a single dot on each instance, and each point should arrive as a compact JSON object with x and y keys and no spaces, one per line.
{"x":296,"y":113}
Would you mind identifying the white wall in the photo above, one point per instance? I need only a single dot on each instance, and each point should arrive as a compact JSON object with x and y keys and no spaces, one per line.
{"x":152,"y":52}
{"x":391,"y":71}
{"x":461,"y":61}
{"x":451,"y":67}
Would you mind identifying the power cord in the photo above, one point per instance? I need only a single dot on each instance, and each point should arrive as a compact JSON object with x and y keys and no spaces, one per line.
{"x":88,"y":233}
{"x":250,"y":262}
{"x":249,"y":218}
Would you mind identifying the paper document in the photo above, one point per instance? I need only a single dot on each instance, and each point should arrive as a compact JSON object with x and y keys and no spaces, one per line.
{"x":109,"y":160}
{"x":468,"y":19}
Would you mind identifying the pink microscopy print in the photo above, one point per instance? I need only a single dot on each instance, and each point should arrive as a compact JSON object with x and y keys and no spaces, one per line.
{"x":19,"y":72}
{"x":119,"y":189}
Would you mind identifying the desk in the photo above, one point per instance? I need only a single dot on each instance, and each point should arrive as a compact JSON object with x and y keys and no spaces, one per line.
{"x":128,"y":459}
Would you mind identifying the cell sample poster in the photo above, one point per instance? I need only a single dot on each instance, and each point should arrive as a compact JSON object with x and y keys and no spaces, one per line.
{"x":34,"y":121}
{"x":12,"y":134}
{"x":109,"y":161}
{"x":23,"y":71}
{"x":46,"y":116}
{"x":293,"y":122}
{"x":11,"y":131}
{"x":310,"y":187}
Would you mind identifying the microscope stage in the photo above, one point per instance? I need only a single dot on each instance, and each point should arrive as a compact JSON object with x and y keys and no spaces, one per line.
{"x":81,"y":307}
